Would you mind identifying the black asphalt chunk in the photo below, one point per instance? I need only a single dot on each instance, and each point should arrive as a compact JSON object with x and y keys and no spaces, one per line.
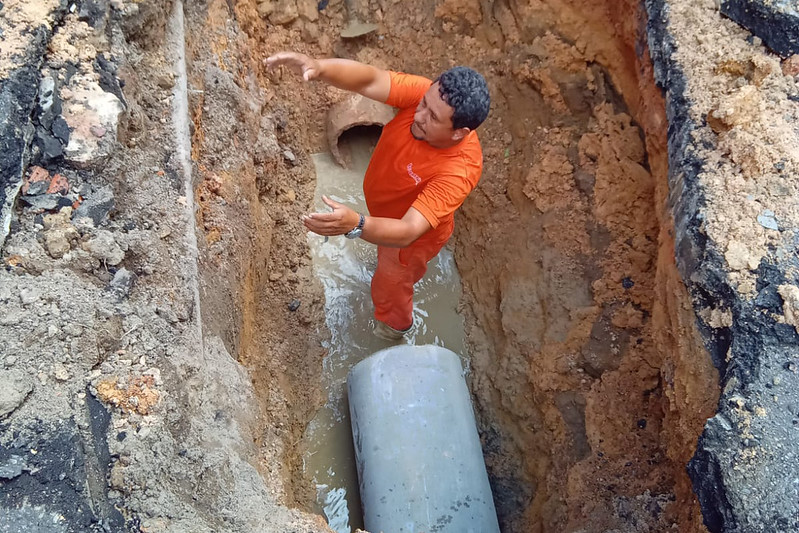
{"x":776,"y":22}
{"x":96,"y":206}
{"x":60,"y":130}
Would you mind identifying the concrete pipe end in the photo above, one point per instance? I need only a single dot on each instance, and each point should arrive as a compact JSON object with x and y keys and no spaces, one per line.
{"x":354,"y":110}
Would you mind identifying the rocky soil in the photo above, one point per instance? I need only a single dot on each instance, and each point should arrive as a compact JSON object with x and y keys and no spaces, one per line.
{"x":628,"y":261}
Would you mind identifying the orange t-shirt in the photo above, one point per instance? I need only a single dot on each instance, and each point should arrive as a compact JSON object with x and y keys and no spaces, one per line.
{"x":404,"y":172}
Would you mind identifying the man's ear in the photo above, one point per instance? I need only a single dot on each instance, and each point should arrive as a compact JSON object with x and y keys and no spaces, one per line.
{"x":460,"y":133}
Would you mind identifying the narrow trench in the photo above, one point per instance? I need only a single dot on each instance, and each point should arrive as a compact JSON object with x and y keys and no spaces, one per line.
{"x":345,"y":269}
{"x":589,"y":382}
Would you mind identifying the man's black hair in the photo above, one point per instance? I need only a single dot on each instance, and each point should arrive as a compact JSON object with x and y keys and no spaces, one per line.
{"x":466,"y":92}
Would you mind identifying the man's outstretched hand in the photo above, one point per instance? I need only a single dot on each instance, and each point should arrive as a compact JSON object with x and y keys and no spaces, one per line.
{"x":340,"y":221}
{"x":307,"y":66}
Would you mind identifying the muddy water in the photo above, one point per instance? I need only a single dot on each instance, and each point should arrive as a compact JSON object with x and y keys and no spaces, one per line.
{"x":345,"y":269}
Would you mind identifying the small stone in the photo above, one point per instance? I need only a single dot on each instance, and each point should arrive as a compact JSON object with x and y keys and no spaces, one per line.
{"x":50,"y":148}
{"x":641,"y":423}
{"x":39,"y":187}
{"x":12,"y":467}
{"x":97,"y":206}
{"x":47,"y":202}
{"x":117,"y":477}
{"x":790,"y":67}
{"x":265,"y":8}
{"x":165,"y":80}
{"x":627,"y":283}
{"x":768,"y":220}
{"x":156,"y":374}
{"x":37,"y":174}
{"x":61,"y":373}
{"x":294,"y":305}
{"x":308,"y":9}
{"x":83,"y":189}
{"x":98,"y":131}
{"x":285,"y":12}
{"x":60,"y":129}
{"x":58,"y":185}
{"x":289,"y":156}
{"x":54,"y":220}
{"x":15,"y":386}
{"x":29,"y":295}
{"x":10,"y":361}
{"x":104,"y":248}
{"x":123,"y":282}
{"x":310,"y":32}
{"x":57,"y":241}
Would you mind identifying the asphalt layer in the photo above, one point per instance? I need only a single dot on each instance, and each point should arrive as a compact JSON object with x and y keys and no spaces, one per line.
{"x":746,"y":467}
{"x":776,"y":22}
{"x":17,"y":100}
{"x":53,"y":477}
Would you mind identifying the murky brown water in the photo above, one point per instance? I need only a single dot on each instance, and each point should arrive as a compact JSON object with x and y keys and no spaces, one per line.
{"x":345,"y":269}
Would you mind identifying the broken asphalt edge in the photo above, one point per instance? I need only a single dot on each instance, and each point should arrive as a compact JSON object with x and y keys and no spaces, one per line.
{"x":776,"y":22}
{"x":18,"y":94}
{"x":742,"y":478}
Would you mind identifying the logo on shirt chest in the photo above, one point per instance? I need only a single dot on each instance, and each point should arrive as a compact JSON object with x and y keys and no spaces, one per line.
{"x":416,"y":177}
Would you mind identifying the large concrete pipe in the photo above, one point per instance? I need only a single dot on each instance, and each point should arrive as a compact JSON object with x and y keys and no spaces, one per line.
{"x":354,"y":110}
{"x":420,"y":464}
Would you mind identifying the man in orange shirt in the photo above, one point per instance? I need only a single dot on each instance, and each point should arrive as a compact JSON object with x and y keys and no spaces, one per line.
{"x":428,"y":159}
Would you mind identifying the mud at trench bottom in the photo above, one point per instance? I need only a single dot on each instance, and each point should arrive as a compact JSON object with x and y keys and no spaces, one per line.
{"x":345,"y":268}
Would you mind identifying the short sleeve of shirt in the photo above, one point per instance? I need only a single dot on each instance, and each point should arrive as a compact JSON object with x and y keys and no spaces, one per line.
{"x":445,"y":193}
{"x":407,"y":90}
{"x":442,"y":197}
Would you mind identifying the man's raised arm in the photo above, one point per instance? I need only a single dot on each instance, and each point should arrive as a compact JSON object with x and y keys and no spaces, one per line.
{"x":367,"y":80}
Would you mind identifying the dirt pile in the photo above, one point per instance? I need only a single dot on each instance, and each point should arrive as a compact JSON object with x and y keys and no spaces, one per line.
{"x":121,"y":410}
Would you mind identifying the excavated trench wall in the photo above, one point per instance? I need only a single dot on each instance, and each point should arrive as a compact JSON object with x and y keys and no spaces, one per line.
{"x":590,"y":377}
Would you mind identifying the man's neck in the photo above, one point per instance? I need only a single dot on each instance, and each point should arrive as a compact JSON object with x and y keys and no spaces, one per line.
{"x":444,"y":146}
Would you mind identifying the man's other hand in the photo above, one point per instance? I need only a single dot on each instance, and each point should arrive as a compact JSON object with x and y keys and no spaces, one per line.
{"x":340,"y":221}
{"x":307,"y":66}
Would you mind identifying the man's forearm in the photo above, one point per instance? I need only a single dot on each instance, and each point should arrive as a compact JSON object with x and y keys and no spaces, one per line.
{"x":364,"y":79}
{"x":393,"y":232}
{"x":382,"y":231}
{"x":361,"y":78}
{"x":346,"y":74}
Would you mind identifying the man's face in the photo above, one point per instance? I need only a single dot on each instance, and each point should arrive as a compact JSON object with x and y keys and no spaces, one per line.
{"x":432,"y":121}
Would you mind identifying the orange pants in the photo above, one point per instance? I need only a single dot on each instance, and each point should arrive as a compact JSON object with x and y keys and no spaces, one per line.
{"x":398,"y":269}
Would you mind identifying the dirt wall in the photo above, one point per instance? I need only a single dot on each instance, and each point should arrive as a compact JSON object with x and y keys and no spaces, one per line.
{"x":587,"y":363}
{"x":590,"y":372}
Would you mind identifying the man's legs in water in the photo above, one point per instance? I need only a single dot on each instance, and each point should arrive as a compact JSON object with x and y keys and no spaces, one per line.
{"x":398,"y":269}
